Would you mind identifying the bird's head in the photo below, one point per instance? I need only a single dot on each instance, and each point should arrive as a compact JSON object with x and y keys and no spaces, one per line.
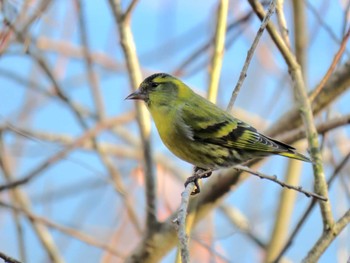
{"x":161,"y":89}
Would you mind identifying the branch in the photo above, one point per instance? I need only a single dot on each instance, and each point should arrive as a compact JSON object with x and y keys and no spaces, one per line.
{"x":250,"y":53}
{"x":22,"y":200}
{"x":219,"y":48}
{"x":337,"y":84}
{"x":89,"y":134}
{"x":8,"y":259}
{"x":143,"y":118}
{"x":334,"y":63}
{"x":91,"y":240}
{"x":306,"y":114}
{"x":273,"y":178}
{"x":180,"y":223}
{"x":90,"y":72}
{"x":308,"y":210}
{"x":327,"y":238}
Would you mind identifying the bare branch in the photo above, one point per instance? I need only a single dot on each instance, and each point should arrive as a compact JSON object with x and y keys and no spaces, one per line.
{"x":273,"y":178}
{"x":180,"y":223}
{"x":250,"y":53}
{"x":306,"y":115}
{"x":327,"y":238}
{"x":219,"y":48}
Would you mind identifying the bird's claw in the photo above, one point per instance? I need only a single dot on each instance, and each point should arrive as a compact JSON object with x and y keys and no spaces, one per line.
{"x":199,"y":173}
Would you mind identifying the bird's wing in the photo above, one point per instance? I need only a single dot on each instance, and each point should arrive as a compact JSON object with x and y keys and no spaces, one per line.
{"x":215,"y":126}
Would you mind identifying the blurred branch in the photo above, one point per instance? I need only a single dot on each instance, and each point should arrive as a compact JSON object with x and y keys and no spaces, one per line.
{"x":336,"y":85}
{"x":286,"y":203}
{"x":322,"y":128}
{"x":241,"y":222}
{"x":308,"y":210}
{"x":219,"y":49}
{"x":72,"y":50}
{"x":91,"y":74}
{"x":282,"y":21}
{"x":8,"y":259}
{"x":320,"y":19}
{"x":134,"y":73}
{"x":300,"y":35}
{"x":91,"y":240}
{"x":179,"y":70}
{"x":283,"y":217}
{"x":306,"y":115}
{"x":42,"y":7}
{"x":21,"y":199}
{"x":88,"y":137}
{"x":63,"y":153}
{"x":130,"y":8}
{"x":250,"y":53}
{"x":327,"y":238}
{"x":333,"y":65}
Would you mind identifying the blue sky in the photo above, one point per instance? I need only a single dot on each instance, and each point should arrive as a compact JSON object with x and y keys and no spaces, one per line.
{"x":265,"y":96}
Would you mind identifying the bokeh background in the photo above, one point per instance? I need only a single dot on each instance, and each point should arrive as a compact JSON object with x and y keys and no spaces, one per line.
{"x":63,"y":74}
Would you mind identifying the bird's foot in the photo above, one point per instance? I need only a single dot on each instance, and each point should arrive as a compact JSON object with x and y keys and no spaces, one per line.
{"x":199,"y":173}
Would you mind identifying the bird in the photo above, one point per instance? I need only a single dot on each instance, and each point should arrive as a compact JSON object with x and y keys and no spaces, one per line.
{"x":199,"y":132}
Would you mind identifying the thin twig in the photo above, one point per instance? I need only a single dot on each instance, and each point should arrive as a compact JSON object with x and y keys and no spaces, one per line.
{"x":90,"y":72}
{"x":8,"y":259}
{"x":193,"y":57}
{"x":273,"y":178}
{"x":250,"y":53}
{"x":180,"y":223}
{"x":334,"y":63}
{"x":129,"y":10}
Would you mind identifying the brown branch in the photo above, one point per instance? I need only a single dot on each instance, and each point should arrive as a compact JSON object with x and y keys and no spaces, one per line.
{"x":180,"y":223}
{"x":334,"y":63}
{"x":90,"y":72}
{"x":308,"y":210}
{"x":143,"y":118}
{"x":337,"y":84}
{"x":327,"y":238}
{"x":273,"y":178}
{"x":91,"y":240}
{"x":322,"y":128}
{"x":8,"y":259}
{"x":99,"y":127}
{"x":22,"y":200}
{"x":306,"y":115}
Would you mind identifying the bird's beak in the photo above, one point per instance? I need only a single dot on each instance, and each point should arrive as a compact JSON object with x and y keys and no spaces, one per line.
{"x":137,"y":95}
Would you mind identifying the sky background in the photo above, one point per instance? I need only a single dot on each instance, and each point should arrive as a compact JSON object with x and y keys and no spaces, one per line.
{"x":76,"y":192}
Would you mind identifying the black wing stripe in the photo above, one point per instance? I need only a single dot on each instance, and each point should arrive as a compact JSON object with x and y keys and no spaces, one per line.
{"x":212,"y":128}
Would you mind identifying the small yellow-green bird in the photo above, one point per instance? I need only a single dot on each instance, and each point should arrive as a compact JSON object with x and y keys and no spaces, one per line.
{"x":201,"y":133}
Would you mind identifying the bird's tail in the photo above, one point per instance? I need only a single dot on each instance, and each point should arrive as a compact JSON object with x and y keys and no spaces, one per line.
{"x":295,"y":155}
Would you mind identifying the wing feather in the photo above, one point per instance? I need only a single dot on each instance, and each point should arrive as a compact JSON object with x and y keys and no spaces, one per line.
{"x":215,"y":126}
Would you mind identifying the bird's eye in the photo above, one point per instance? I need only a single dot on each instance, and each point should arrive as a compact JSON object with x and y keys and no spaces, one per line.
{"x":154,"y":84}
